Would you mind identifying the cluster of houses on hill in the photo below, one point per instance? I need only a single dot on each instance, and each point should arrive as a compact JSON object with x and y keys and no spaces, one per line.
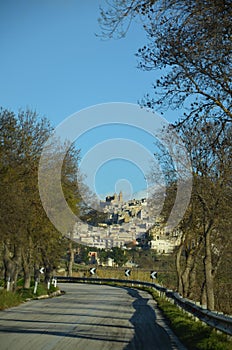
{"x":128,"y":223}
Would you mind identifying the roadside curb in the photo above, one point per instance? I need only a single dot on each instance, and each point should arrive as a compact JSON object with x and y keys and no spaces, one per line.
{"x":47,"y":296}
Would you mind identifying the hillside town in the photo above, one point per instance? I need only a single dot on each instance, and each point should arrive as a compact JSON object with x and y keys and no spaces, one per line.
{"x":128,"y":223}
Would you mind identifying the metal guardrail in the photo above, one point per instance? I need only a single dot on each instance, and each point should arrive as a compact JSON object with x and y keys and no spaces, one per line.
{"x":214,"y":319}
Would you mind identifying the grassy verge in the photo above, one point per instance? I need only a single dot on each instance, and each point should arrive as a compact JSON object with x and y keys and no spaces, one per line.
{"x":10,"y":299}
{"x":193,"y":334}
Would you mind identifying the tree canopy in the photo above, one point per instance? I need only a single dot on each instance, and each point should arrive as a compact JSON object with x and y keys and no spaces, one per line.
{"x":190,"y":42}
{"x":27,"y":237}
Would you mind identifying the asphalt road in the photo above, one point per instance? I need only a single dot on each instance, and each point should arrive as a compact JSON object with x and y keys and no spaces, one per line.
{"x":88,"y":317}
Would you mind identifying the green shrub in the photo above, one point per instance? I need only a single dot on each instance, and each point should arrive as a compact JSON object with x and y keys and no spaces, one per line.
{"x":52,"y":289}
{"x":41,"y":289}
{"x":25,"y":293}
{"x":9,"y":299}
{"x":2,"y":283}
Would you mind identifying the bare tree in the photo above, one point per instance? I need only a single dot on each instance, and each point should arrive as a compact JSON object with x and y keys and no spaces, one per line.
{"x":190,"y":42}
{"x":205,"y":232}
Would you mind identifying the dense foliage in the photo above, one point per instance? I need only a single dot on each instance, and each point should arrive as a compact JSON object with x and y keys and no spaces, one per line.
{"x":28,"y":239}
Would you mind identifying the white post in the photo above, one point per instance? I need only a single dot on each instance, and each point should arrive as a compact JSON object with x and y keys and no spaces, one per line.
{"x":36,"y":285}
{"x":8,"y":284}
{"x":49,"y":283}
{"x":55,"y":282}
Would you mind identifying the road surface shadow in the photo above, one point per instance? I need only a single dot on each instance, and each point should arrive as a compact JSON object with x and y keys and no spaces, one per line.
{"x":99,"y":336}
{"x":147,"y":333}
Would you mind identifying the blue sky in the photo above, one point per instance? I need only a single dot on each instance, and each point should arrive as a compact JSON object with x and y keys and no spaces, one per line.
{"x":52,"y":62}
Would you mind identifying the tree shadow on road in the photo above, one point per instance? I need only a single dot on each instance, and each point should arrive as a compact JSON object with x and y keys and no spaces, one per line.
{"x":148,"y":335}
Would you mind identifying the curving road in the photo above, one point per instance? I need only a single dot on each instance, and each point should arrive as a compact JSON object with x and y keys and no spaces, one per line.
{"x":87,"y":317}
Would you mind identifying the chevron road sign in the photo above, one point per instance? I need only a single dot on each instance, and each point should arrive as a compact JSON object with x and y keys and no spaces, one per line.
{"x":153,"y":274}
{"x":92,"y":270}
{"x":127,"y":272}
{"x":41,"y":270}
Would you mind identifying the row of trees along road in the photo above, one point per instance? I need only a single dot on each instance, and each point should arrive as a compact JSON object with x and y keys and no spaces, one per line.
{"x":189,"y":43}
{"x":202,"y":258}
{"x":27,"y":237}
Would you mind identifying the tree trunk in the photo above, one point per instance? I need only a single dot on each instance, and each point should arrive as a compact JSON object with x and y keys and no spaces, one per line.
{"x":209,"y":280}
{"x":203,"y":295}
{"x":8,"y":267}
{"x":178,"y":269}
{"x":186,"y":274}
{"x":193,"y":282}
{"x":47,"y":273}
{"x":27,"y":278}
{"x":26,"y":260}
{"x":17,"y":265}
{"x":71,"y":256}
{"x":36,"y":271}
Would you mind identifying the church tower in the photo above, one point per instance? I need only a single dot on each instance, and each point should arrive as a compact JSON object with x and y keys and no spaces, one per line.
{"x":120,"y":199}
